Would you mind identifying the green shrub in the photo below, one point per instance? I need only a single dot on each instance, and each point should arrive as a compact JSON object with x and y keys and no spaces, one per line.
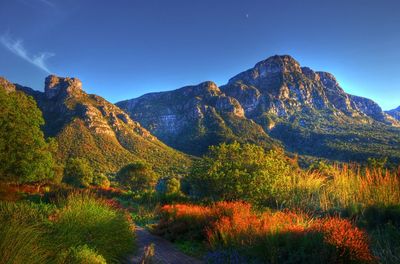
{"x":85,"y":220}
{"x":22,"y":234}
{"x":241,"y":172}
{"x":101,"y":181}
{"x":137,"y":177}
{"x":84,"y":255}
{"x":83,"y":229}
{"x":172,"y":186}
{"x":78,"y":172}
{"x":169,"y":186}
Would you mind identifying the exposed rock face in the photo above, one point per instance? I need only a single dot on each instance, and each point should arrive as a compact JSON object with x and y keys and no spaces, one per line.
{"x":193,"y":117}
{"x":7,"y":86}
{"x":395,"y":113}
{"x":89,"y":126}
{"x":368,"y":107}
{"x":308,"y":111}
{"x":55,"y":85}
{"x":284,"y":89}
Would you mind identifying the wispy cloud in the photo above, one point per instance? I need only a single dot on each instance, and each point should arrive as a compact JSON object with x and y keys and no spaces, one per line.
{"x":32,"y":3}
{"x":16,"y":47}
{"x":47,"y":2}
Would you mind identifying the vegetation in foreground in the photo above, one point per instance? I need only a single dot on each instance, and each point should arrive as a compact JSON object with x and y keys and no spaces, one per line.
{"x":279,"y":237}
{"x":77,"y":229}
{"x":297,"y":210}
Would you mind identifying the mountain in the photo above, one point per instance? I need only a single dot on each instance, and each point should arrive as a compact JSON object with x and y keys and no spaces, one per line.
{"x":86,"y":125}
{"x":395,"y":113}
{"x":279,"y":86}
{"x":192,"y":118}
{"x":6,"y":85}
{"x":307,"y":112}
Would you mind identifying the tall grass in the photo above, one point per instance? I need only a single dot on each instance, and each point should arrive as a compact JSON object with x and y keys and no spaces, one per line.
{"x":85,"y":220}
{"x":371,"y":196}
{"x":81,"y":229}
{"x":345,"y":186}
{"x":83,"y":255}
{"x":21,"y":234}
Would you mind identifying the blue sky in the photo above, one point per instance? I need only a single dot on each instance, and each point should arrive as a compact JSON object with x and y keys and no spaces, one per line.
{"x":124,"y":48}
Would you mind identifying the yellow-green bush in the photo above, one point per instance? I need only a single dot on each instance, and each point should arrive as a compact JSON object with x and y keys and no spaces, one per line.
{"x":82,"y":229}
{"x":83,"y":255}
{"x":22,"y":242}
{"x":85,"y":220}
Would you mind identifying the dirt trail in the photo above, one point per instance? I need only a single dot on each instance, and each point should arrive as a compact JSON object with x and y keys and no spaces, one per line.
{"x":165,"y":252}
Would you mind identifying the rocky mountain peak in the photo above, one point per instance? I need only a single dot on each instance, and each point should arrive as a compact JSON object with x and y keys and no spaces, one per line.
{"x":277,"y":64}
{"x":204,"y":88}
{"x":8,"y":86}
{"x":55,"y":85}
{"x":273,"y":66}
{"x":310,"y":74}
{"x":327,"y":79}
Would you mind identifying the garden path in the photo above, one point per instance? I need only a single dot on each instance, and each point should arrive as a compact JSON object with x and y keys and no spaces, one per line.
{"x":165,"y":252}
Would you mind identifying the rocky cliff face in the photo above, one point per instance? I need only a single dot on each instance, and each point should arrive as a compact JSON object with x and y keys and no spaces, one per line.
{"x":281,"y":87}
{"x":7,"y":86}
{"x":194,"y":117}
{"x":395,"y":113}
{"x":88,"y":126}
{"x":307,"y":111}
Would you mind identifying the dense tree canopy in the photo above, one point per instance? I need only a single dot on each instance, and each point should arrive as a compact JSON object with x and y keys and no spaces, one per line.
{"x":241,"y":172}
{"x":78,"y":172}
{"x":169,"y":186}
{"x":25,"y":156}
{"x":137,"y":176}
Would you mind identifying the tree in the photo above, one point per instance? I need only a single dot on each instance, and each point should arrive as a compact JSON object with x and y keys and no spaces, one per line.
{"x":169,"y":186}
{"x":78,"y":172}
{"x":101,"y":180}
{"x":137,"y":176}
{"x":241,"y":172}
{"x":25,"y":156}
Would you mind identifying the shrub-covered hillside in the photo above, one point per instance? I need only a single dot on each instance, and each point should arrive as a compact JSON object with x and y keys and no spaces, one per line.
{"x":88,"y":126}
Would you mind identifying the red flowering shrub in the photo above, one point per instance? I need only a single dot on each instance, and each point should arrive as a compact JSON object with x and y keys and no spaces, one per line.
{"x":180,"y":220}
{"x":280,"y":237}
{"x":233,"y":220}
{"x":350,"y":242}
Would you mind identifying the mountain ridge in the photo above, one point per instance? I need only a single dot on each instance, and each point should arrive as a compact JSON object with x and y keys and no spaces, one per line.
{"x":206,"y":117}
{"x":395,"y":113}
{"x":295,"y":106}
{"x":276,"y":104}
{"x":86,"y":125}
